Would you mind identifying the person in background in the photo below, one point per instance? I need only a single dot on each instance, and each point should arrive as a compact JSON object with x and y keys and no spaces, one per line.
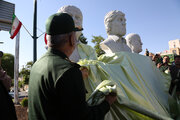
{"x":147,"y":52}
{"x":56,"y":87}
{"x":6,"y":104}
{"x":157,"y":59}
{"x":160,"y":59}
{"x":165,"y":65}
{"x":175,"y":75}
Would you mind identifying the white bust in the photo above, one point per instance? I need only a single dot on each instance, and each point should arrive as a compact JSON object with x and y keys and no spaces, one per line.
{"x":134,"y":42}
{"x":76,"y":14}
{"x":115,"y":24}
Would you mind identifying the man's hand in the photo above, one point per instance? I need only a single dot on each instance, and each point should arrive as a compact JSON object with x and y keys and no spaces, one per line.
{"x":111,"y":98}
{"x":85,"y":72}
{"x":159,"y":65}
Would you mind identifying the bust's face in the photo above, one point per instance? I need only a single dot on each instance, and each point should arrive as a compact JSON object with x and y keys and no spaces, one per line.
{"x":134,"y":42}
{"x":118,"y":26}
{"x":137,"y":46}
{"x":75,"y":14}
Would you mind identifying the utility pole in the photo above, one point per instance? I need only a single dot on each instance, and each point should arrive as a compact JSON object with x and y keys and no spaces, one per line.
{"x":35,"y":32}
{"x":16,"y":69}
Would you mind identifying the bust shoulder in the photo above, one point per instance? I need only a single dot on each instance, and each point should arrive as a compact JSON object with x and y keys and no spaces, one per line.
{"x":114,"y":44}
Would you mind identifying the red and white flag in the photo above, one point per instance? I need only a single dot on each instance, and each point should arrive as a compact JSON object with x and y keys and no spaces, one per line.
{"x":16,"y":25}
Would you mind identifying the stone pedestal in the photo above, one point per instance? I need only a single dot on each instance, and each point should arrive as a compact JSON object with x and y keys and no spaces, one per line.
{"x":21,"y":112}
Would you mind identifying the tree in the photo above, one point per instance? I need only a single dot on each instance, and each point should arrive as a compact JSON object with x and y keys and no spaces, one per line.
{"x":97,"y":40}
{"x":83,"y":39}
{"x":25,"y":72}
{"x":8,"y":64}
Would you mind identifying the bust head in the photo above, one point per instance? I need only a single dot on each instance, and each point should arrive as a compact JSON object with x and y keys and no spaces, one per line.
{"x":115,"y":23}
{"x":134,"y":42}
{"x":76,"y":15}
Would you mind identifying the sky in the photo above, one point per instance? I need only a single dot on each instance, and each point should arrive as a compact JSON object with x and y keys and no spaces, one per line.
{"x":156,"y":21}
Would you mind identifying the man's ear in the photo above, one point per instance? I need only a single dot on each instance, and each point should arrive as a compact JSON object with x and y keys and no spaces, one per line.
{"x":71,"y":39}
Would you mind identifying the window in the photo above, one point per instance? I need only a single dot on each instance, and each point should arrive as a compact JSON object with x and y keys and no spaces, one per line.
{"x":174,"y":51}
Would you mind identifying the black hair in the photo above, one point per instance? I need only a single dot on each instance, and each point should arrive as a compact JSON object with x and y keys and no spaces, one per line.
{"x":166,"y":56}
{"x":176,"y":56}
{"x":1,"y":54}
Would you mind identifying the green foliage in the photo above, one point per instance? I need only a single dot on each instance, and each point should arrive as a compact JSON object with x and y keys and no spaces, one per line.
{"x":24,"y":102}
{"x":97,"y":40}
{"x":83,"y":39}
{"x":20,"y":84}
{"x":12,"y":83}
{"x":7,"y":64}
{"x":25,"y":72}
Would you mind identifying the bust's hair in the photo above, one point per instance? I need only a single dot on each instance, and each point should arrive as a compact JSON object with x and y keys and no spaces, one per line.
{"x":131,"y":37}
{"x":110,"y":16}
{"x":57,"y":40}
{"x":69,"y":8}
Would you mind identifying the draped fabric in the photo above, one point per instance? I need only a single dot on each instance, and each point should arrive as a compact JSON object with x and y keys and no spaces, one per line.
{"x":142,"y":89}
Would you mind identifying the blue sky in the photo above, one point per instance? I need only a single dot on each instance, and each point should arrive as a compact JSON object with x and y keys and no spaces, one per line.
{"x":156,"y":21}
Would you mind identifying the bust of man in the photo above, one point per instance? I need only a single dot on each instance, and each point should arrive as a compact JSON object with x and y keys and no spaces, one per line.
{"x":134,"y":42}
{"x":115,"y":24}
{"x":76,"y":14}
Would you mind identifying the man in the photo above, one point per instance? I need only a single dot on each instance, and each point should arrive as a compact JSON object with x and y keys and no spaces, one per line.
{"x":6,"y":104}
{"x":157,"y":59}
{"x":134,"y":42}
{"x":165,"y":65}
{"x":115,"y":24}
{"x":147,"y":52}
{"x":175,"y":75}
{"x":56,"y":88}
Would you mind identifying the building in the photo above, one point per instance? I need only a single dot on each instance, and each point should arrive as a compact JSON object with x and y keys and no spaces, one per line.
{"x":174,"y":43}
{"x":174,"y":48}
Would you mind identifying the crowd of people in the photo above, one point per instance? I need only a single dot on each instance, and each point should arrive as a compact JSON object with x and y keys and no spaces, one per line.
{"x":164,"y":65}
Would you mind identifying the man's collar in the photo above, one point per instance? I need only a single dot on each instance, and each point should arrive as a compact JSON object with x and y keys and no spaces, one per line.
{"x":57,"y":52}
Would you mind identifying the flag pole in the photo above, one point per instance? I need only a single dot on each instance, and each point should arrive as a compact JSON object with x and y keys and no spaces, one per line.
{"x":35,"y":32}
{"x":16,"y":69}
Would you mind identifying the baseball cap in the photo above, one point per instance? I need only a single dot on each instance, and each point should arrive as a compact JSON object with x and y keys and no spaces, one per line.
{"x":60,"y":23}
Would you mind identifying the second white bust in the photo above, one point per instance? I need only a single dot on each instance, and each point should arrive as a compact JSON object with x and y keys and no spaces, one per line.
{"x":134,"y":42}
{"x":115,"y":24}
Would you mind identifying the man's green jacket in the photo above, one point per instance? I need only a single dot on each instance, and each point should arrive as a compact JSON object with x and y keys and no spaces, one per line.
{"x":57,"y":91}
